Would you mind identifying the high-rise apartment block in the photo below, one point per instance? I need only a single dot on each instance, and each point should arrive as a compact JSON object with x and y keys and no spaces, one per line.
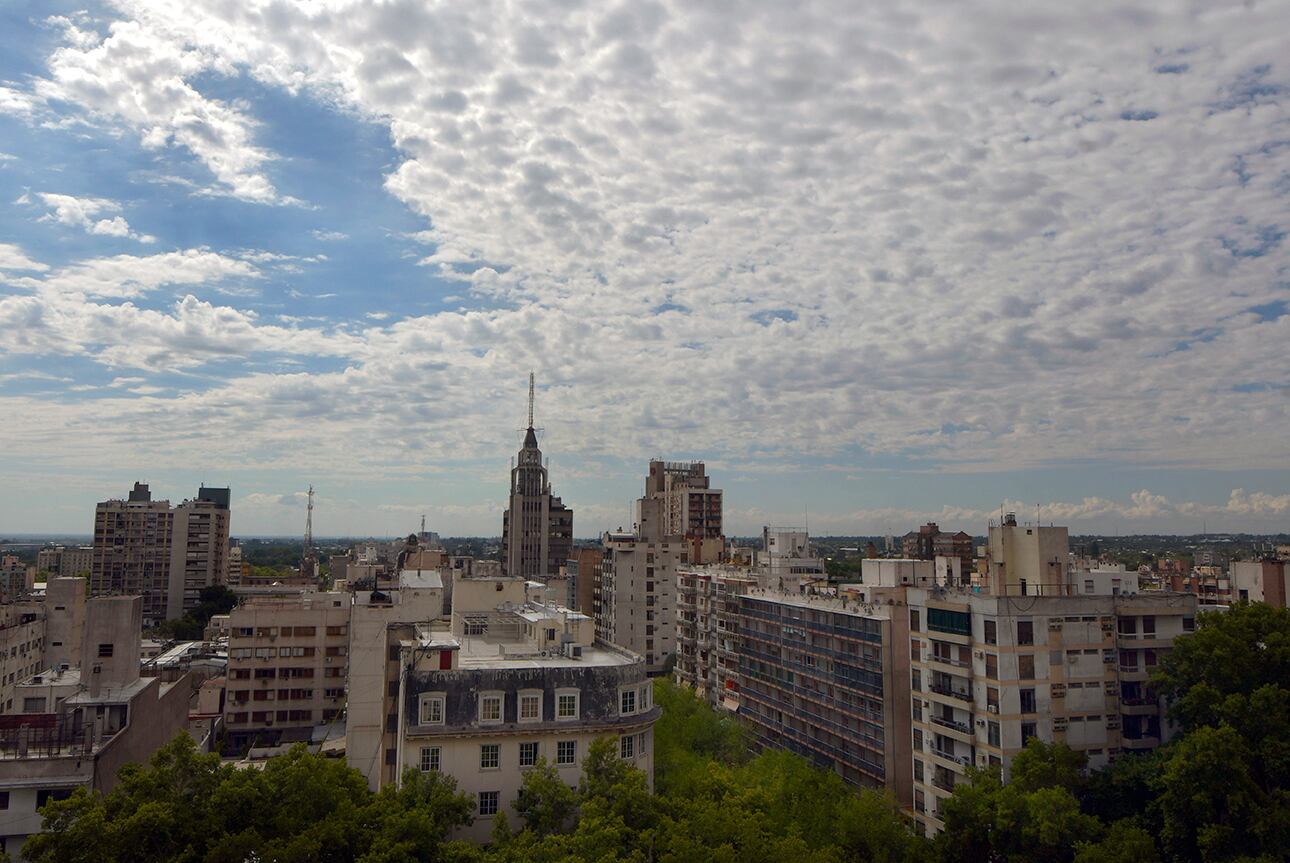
{"x":679,"y":503}
{"x":991,"y":672}
{"x":537,"y":528}
{"x":1027,"y":559}
{"x":707,"y":631}
{"x":287,"y":658}
{"x":162,"y":553}
{"x":638,"y":584}
{"x":16,"y":578}
{"x":827,"y":678}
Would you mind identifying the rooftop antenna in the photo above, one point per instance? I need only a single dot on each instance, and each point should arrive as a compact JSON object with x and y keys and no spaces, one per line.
{"x":309,"y":523}
{"x":423,"y":524}
{"x":530,"y":425}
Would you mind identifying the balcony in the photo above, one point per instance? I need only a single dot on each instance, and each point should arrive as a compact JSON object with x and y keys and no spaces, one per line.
{"x":942,"y":689}
{"x":962,"y":760}
{"x":963,"y":727}
{"x":946,"y":660}
{"x":944,"y":783}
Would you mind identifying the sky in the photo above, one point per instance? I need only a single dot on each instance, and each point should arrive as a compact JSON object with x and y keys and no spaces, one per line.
{"x":874,"y":263}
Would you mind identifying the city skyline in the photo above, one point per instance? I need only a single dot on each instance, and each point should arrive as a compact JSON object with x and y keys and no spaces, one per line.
{"x":873,"y":266}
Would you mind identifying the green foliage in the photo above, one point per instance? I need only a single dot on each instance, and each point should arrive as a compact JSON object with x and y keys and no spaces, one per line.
{"x":186,"y":807}
{"x":216,"y":599}
{"x":545,"y":803}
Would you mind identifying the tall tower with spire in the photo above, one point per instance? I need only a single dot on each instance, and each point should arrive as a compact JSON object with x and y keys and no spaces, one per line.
{"x":537,"y":528}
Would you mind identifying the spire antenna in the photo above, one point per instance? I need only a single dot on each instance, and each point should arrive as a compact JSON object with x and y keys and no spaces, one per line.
{"x":530,"y":400}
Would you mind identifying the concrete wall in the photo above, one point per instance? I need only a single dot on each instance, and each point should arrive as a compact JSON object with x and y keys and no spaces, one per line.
{"x":113,"y":634}
{"x":65,"y":604}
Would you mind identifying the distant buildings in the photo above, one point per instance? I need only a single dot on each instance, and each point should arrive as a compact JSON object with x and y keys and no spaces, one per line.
{"x":679,"y":503}
{"x":16,"y":578}
{"x":537,"y":528}
{"x":930,"y":542}
{"x":637,"y":604}
{"x":162,"y":553}
{"x":65,"y":561}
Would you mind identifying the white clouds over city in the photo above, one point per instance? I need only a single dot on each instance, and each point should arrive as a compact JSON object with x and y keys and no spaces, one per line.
{"x":972,"y":238}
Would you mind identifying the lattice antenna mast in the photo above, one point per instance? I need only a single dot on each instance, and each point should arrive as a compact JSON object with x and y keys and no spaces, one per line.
{"x":530,"y":425}
{"x":309,"y":524}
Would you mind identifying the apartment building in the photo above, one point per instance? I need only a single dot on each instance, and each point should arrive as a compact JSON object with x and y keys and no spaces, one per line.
{"x":164,"y":554}
{"x":16,"y":578}
{"x":637,"y":607}
{"x":77,"y":726}
{"x":990,"y":672}
{"x":287,"y":660}
{"x":827,"y":678}
{"x":785,"y":561}
{"x":40,"y":632}
{"x":510,"y":681}
{"x":380,"y":622}
{"x":65,"y":561}
{"x":707,"y":633}
{"x":679,"y":502}
{"x":583,"y":570}
{"x":1261,"y":581}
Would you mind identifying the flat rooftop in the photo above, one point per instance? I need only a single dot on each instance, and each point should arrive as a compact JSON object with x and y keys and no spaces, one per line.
{"x":485,"y":651}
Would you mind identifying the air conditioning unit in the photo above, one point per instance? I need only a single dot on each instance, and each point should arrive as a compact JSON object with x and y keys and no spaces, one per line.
{"x":992,"y":708}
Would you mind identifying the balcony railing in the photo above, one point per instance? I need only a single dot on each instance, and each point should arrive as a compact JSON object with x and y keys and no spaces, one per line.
{"x":950,"y":723}
{"x":941,"y":689}
{"x":949,"y":756}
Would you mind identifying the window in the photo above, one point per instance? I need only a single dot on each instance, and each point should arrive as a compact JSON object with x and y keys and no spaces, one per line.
{"x":991,"y":632}
{"x":1027,"y":732}
{"x":490,"y":756}
{"x":647,"y":692}
{"x":916,"y":680}
{"x":918,"y":770}
{"x":431,"y":712}
{"x":44,"y":795}
{"x":1088,"y":585}
{"x":1148,"y":658}
{"x":1025,"y":632}
{"x":992,"y":733}
{"x":105,"y":651}
{"x":1149,"y":625}
{"x":992,"y":666}
{"x":530,"y":706}
{"x":487,"y":803}
{"x":955,"y":622}
{"x":566,"y":752}
{"x":1027,"y":701}
{"x":992,"y":698}
{"x":640,"y":742}
{"x":1026,"y":666}
{"x":490,"y":708}
{"x":429,"y":758}
{"x":1189,"y":624}
{"x":566,"y":705}
{"x":914,"y":622}
{"x":627,"y":702}
{"x":528,"y":754}
{"x":4,"y":799}
{"x":627,"y":746}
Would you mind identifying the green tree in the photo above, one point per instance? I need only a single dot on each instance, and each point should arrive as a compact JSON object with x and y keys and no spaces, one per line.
{"x":545,"y":803}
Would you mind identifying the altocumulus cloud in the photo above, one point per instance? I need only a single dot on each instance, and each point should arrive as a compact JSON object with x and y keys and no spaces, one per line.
{"x":978,"y":237}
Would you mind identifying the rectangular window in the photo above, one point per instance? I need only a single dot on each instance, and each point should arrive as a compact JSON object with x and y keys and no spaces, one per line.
{"x":1027,"y":731}
{"x":914,"y":623}
{"x":487,"y":803}
{"x":992,"y":733}
{"x":566,"y":705}
{"x":646,"y":694}
{"x":1026,"y":666}
{"x":105,"y":651}
{"x":1189,"y":624}
{"x":489,"y":756}
{"x":432,"y":710}
{"x":1027,"y":701}
{"x":4,"y":799}
{"x":627,"y":702}
{"x":627,"y":746}
{"x":429,"y":758}
{"x":490,"y":708}
{"x":1148,"y":625}
{"x":992,"y":666}
{"x":991,"y":632}
{"x":530,"y":707}
{"x":528,"y":754}
{"x":566,"y":752}
{"x":954,"y":622}
{"x":1025,"y":632}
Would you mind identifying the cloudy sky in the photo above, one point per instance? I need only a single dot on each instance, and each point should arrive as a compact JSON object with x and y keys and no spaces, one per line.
{"x":874,"y":262}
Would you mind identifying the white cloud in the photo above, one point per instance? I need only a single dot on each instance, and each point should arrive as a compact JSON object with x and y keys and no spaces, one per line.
{"x":14,"y":258}
{"x":947,"y":237}
{"x":330,"y":236}
{"x":84,"y":213}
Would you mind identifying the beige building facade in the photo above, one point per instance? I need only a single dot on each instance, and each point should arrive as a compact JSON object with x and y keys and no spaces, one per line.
{"x":287,"y":663}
